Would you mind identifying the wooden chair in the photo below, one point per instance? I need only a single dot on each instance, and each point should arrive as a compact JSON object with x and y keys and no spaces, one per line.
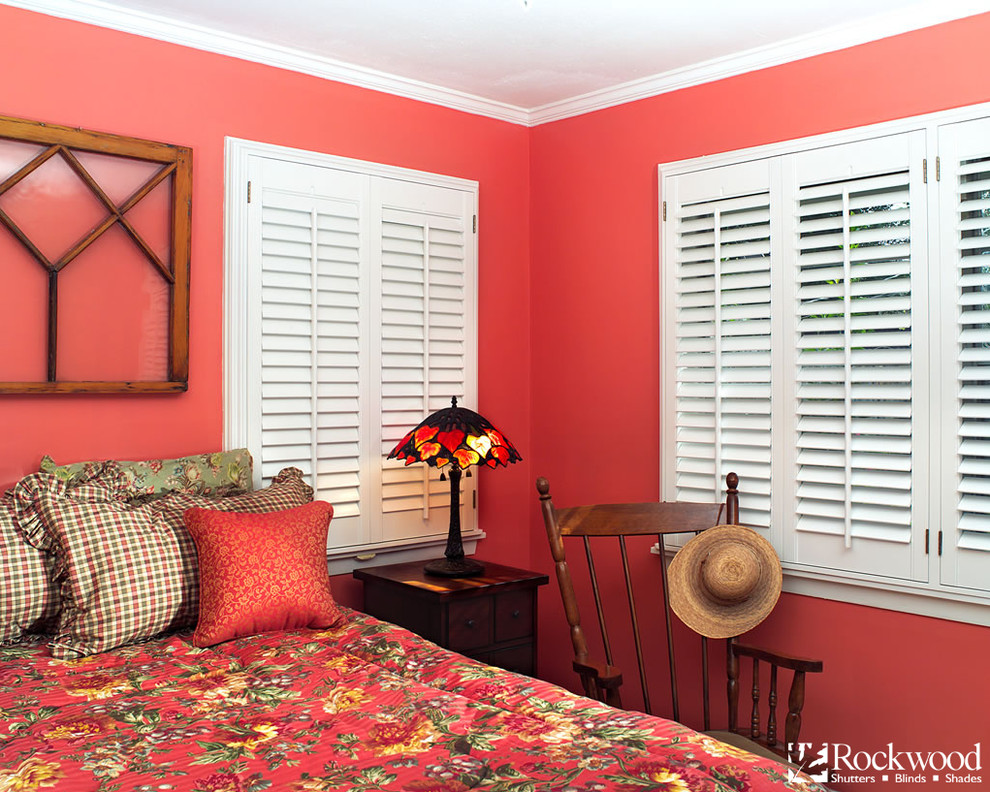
{"x":602,"y":680}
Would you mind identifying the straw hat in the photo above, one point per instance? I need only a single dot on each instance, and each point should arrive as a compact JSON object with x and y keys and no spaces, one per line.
{"x":724,"y":581}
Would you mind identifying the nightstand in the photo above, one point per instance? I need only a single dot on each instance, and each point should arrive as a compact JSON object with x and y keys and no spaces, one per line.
{"x":491,"y":617}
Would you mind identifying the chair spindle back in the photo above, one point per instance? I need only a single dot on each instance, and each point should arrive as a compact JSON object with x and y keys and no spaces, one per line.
{"x":620,"y":520}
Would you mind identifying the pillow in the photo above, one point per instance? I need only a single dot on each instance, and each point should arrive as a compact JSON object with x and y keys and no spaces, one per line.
{"x":29,"y":600}
{"x":218,"y":473}
{"x":119,"y":566}
{"x":262,"y":572}
{"x":128,"y":572}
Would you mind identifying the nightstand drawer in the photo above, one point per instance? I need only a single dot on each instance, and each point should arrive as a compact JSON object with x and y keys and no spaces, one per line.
{"x":469,"y":624}
{"x":515,"y":658}
{"x":513,"y":615}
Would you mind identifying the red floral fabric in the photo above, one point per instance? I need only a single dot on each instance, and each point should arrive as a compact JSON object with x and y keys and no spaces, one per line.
{"x":362,"y":706}
{"x":261,"y":572}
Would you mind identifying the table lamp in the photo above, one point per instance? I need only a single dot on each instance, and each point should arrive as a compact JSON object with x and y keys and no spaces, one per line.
{"x":453,"y":439}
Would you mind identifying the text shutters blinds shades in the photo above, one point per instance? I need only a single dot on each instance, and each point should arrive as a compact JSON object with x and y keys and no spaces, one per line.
{"x":722,"y":336}
{"x":425,"y":314}
{"x":310,"y":367}
{"x":965,"y":251}
{"x":854,"y":224}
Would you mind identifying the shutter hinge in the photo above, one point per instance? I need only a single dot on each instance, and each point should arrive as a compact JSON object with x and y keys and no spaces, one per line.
{"x":474,"y":224}
{"x":940,"y":543}
{"x":926,"y":541}
{"x":665,"y":211}
{"x":938,"y":169}
{"x":924,"y":170}
{"x":249,"y":192}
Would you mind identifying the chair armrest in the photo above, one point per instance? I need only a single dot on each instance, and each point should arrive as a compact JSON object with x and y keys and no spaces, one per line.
{"x":601,"y":682}
{"x":605,"y":676}
{"x":793,"y":662}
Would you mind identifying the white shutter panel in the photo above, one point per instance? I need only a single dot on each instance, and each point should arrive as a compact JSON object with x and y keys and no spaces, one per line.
{"x":718,"y":310}
{"x":965,"y":221}
{"x":310,"y":369}
{"x":427,"y":307}
{"x":856,"y":212}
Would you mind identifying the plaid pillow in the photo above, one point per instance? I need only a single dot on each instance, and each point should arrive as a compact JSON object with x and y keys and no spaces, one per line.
{"x":116,"y":564}
{"x":29,"y":600}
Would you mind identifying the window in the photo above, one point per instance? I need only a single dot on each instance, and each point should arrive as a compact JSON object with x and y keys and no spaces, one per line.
{"x":350,"y":315}
{"x":826,"y":335}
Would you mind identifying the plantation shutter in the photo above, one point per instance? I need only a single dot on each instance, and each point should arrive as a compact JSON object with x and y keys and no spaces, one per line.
{"x":718,"y":312}
{"x":310,"y":368}
{"x":426,"y":310}
{"x":857,"y":210}
{"x":361,"y":323}
{"x":965,"y":250}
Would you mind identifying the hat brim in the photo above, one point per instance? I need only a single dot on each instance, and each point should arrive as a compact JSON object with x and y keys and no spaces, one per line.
{"x":695,"y":606}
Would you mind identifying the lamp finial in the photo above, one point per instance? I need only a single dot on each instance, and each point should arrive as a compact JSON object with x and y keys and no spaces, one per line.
{"x":453,"y":401}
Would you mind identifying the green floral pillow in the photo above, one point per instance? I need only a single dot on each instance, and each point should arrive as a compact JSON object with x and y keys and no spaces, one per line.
{"x":220,"y":473}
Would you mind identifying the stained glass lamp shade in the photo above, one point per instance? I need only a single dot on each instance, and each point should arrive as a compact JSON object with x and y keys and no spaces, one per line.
{"x":453,"y":439}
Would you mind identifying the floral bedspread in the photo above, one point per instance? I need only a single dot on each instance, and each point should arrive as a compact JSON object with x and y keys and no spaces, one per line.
{"x":365,"y":706}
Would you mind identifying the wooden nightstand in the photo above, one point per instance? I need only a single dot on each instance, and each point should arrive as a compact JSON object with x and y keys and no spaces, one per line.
{"x":491,"y":617}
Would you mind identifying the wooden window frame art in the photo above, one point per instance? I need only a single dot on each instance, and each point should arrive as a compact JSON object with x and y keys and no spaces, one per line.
{"x":176,"y":164}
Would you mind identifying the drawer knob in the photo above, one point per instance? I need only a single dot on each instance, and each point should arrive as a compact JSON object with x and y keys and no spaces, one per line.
{"x":470,"y":622}
{"x":515,"y":614}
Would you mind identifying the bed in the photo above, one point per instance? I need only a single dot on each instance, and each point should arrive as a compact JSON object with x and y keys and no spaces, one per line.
{"x":363,"y":706}
{"x":105,"y":685}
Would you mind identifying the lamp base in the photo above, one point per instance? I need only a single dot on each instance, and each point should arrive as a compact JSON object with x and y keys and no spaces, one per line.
{"x":454,"y":567}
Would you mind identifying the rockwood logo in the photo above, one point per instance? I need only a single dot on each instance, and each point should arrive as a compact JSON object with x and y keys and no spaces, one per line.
{"x":839,"y":762}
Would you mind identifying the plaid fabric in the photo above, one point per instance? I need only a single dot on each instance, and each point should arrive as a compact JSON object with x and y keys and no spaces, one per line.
{"x":108,"y":485}
{"x":33,"y":603}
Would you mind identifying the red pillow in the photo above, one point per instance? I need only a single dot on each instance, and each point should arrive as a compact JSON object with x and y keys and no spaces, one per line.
{"x":261,"y":572}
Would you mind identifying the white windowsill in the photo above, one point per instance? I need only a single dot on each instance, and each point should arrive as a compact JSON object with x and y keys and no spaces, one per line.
{"x":939,"y":602}
{"x":343,"y":561}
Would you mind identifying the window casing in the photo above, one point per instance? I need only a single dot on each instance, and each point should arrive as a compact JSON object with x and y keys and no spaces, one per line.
{"x":350,"y":305}
{"x":826,"y":334}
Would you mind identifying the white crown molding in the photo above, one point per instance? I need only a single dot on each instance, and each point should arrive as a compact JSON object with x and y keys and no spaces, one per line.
{"x":923,"y":14}
{"x":836,"y":38}
{"x":152,"y":26}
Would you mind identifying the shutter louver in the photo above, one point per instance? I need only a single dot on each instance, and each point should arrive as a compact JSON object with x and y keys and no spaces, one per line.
{"x":310,"y":365}
{"x":966,"y":194}
{"x":854,"y":373}
{"x":722,"y":330}
{"x":424,"y":315}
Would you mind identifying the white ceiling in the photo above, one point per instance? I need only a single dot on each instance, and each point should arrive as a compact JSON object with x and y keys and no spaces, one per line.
{"x":529,"y":56}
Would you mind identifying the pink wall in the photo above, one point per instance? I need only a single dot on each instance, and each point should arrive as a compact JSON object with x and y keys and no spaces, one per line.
{"x":568,"y":251}
{"x":916,"y":681}
{"x":79,"y":75}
